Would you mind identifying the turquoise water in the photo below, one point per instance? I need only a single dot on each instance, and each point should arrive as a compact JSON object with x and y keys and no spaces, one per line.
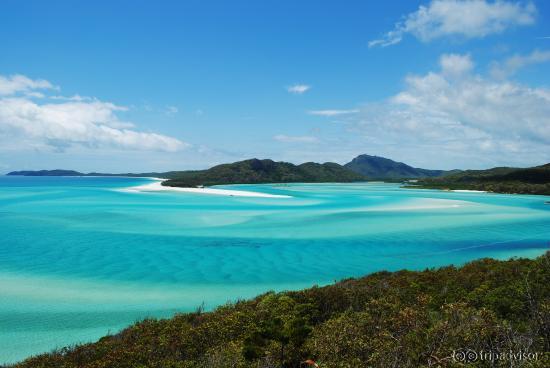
{"x":79,"y":257}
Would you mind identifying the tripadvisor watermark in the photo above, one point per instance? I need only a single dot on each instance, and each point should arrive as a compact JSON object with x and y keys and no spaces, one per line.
{"x":472,"y":356}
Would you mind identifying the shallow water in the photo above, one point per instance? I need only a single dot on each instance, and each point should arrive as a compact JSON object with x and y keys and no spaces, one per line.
{"x":80,"y":258}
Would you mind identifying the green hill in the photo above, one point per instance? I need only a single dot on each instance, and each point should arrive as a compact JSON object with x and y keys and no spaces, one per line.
{"x":399,"y":319}
{"x":252,"y":171}
{"x":533,"y":180}
{"x":383,"y":168}
{"x":256,"y":171}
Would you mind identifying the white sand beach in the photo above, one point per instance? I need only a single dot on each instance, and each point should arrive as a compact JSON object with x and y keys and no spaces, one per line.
{"x":158,"y":187}
{"x":468,"y":191}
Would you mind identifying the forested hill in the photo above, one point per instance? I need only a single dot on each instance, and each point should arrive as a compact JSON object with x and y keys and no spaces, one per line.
{"x":251,"y":171}
{"x":401,"y":319}
{"x":262,"y":171}
{"x":383,"y":168}
{"x":256,"y":171}
{"x":533,"y":180}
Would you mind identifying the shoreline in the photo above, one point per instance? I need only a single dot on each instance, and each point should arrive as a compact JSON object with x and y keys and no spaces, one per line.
{"x":157,"y":186}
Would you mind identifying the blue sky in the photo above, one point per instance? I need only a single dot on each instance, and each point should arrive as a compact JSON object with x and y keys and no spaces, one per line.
{"x":142,"y":85}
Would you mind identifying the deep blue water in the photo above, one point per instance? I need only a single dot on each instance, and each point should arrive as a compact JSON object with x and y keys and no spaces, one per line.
{"x":81,"y":257}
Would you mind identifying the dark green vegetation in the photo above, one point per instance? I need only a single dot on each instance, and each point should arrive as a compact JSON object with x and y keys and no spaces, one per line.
{"x":380,"y":168}
{"x":534,"y":180}
{"x":267,"y":171}
{"x":256,"y":171}
{"x":400,"y":319}
{"x":252,"y":171}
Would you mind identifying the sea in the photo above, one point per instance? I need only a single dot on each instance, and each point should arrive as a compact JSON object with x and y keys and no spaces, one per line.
{"x":83,"y":257}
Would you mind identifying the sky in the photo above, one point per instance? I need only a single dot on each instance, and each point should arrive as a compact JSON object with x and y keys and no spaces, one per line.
{"x":138,"y":86}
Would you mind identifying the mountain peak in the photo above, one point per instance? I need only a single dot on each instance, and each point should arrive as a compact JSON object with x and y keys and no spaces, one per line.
{"x":377,"y":167}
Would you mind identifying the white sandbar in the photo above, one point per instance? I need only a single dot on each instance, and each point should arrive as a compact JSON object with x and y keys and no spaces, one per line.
{"x":468,"y":191}
{"x":158,"y":187}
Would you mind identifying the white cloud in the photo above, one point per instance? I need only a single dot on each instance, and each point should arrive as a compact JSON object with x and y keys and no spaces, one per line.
{"x":35,"y":94}
{"x":298,"y":89}
{"x":171,"y":110}
{"x":332,"y":112}
{"x":472,"y":117}
{"x":71,"y":98}
{"x":295,"y":139}
{"x":511,"y":65}
{"x":13,"y":84}
{"x":455,"y":65}
{"x":464,"y":18}
{"x":73,"y":122}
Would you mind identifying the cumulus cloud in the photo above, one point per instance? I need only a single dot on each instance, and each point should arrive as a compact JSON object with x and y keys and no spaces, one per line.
{"x":72,"y":121}
{"x":455,"y":65}
{"x":464,"y":18}
{"x":298,"y":89}
{"x":330,"y":113}
{"x":19,"y":83}
{"x":295,"y":139}
{"x":471,"y":116}
{"x":502,"y":70}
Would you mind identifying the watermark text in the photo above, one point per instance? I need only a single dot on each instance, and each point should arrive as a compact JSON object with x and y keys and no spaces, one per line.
{"x":472,"y":356}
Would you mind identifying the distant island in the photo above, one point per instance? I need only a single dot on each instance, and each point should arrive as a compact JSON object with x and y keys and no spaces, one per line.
{"x":534,"y":180}
{"x":419,"y":319}
{"x":60,"y":172}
